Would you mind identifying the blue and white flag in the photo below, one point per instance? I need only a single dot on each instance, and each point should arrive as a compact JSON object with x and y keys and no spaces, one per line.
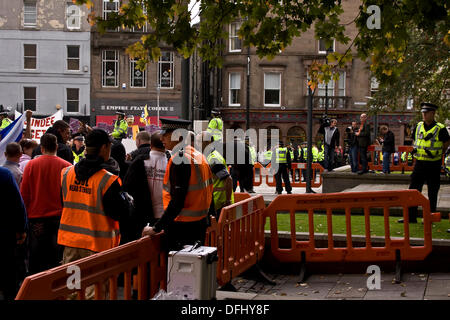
{"x":12,"y":133}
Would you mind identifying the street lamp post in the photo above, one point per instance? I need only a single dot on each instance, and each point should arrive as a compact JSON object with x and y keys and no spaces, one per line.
{"x":157,"y":103}
{"x":309,"y":149}
{"x":329,"y":50}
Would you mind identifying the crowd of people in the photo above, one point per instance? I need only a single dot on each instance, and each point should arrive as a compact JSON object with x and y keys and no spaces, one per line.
{"x":76,"y":194}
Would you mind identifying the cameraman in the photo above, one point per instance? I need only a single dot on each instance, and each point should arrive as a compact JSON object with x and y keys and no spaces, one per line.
{"x":353,"y":146}
{"x":331,"y":141}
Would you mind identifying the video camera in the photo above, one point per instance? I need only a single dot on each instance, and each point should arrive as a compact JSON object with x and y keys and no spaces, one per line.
{"x":325,"y":121}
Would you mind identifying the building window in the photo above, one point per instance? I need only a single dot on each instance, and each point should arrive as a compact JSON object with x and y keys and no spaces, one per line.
{"x":29,"y":13}
{"x":73,"y":99}
{"x":73,"y":16}
{"x":235,"y":89}
{"x":73,"y":58}
{"x":323,"y":49}
{"x":235,"y":42}
{"x":110,"y":68}
{"x":137,"y":76}
{"x":108,"y":8}
{"x":272,"y":89}
{"x":29,"y":56}
{"x":143,"y":28}
{"x":29,"y":98}
{"x":165,"y":70}
{"x":334,"y":93}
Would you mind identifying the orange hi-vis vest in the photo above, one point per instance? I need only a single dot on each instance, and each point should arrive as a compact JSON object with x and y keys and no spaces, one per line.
{"x":83,"y":220}
{"x":200,"y":191}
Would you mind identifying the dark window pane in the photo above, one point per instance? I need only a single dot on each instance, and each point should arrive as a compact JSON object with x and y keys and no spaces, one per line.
{"x":72,"y":106}
{"x":73,"y":51}
{"x":29,"y":50}
{"x":29,"y":93}
{"x":30,"y":63}
{"x":72,"y":94}
{"x":271,"y":96}
{"x":73,"y":64}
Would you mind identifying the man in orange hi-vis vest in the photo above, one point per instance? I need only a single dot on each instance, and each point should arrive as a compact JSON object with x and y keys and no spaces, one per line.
{"x":187,"y":189}
{"x":92,"y":202}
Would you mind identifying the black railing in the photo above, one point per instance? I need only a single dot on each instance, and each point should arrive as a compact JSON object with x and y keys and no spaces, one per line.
{"x":334,"y":102}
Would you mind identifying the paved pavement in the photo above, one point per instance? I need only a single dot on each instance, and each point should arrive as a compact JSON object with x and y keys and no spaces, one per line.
{"x":414,"y":286}
{"x":443,"y":204}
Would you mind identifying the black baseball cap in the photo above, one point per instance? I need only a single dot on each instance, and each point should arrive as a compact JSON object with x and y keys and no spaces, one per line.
{"x":96,"y":138}
{"x":427,"y":106}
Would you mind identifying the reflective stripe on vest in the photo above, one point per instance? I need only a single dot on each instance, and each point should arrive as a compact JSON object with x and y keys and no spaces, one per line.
{"x":199,"y":195}
{"x":219,"y":189}
{"x":83,"y":220}
{"x":431,"y":149}
{"x":120,"y":129}
{"x":281,"y":154}
{"x":215,"y":126}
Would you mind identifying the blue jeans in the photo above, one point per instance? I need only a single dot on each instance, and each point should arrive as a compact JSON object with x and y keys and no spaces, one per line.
{"x":386,"y":162}
{"x":354,"y":158}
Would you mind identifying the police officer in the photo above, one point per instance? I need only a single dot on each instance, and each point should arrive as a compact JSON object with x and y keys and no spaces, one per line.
{"x":78,"y":148}
{"x":120,"y":126}
{"x":187,"y":190}
{"x":215,"y":125}
{"x":282,"y":159}
{"x":222,"y":183}
{"x":4,"y":120}
{"x":431,"y":139}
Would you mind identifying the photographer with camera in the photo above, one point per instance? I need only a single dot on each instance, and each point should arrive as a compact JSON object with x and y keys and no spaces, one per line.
{"x":331,"y":141}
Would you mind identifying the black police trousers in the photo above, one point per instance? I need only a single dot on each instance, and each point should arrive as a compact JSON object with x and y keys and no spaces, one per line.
{"x":429,"y":172}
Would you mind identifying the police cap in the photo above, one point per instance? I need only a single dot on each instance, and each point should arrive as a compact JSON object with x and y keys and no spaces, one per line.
{"x":79,"y":138}
{"x":120,"y":113}
{"x":170,"y":124}
{"x":427,"y":106}
{"x":215,"y":111}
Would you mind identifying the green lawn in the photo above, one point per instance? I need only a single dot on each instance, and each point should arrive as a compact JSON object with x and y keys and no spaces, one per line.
{"x":358,"y":225}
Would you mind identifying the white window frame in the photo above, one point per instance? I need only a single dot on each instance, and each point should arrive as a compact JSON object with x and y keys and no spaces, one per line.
{"x":171,"y":68}
{"x":324,"y":51}
{"x":67,"y":100}
{"x":29,"y":12}
{"x":69,"y":58}
{"x":279,"y":90}
{"x":230,"y":95}
{"x":77,"y":15}
{"x":106,"y":10}
{"x":35,"y":57}
{"x":145,"y":26}
{"x":232,"y":37}
{"x":104,"y":75}
{"x":144,"y":75}
{"x":36,"y":97}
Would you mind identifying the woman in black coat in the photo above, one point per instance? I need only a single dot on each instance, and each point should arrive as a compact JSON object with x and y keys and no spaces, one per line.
{"x":388,"y":141}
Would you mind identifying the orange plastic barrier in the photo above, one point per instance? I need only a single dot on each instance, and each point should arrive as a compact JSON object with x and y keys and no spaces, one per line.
{"x":346,"y":202}
{"x":144,"y":254}
{"x":240,"y":238}
{"x":299,"y":170}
